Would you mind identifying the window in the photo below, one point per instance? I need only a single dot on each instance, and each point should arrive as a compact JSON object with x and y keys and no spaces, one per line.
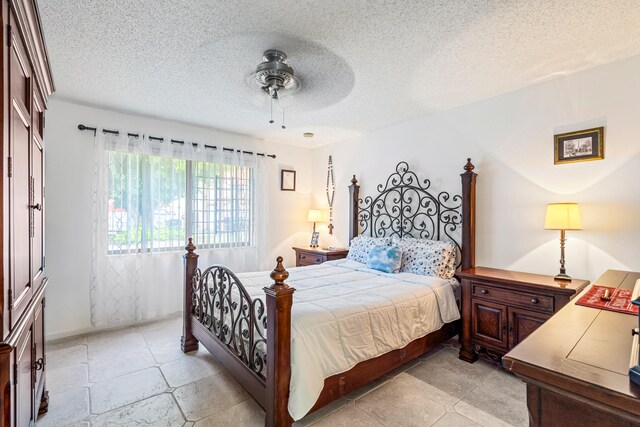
{"x":154,"y":203}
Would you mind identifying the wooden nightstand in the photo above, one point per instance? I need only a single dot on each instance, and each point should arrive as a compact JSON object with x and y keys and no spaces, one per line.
{"x":312,"y":256}
{"x":500,"y":308}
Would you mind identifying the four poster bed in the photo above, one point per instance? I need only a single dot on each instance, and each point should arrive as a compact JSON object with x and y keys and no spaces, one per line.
{"x":246,"y":320}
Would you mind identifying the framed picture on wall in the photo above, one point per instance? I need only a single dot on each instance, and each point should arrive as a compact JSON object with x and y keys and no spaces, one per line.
{"x":287,"y":180}
{"x":579,"y":146}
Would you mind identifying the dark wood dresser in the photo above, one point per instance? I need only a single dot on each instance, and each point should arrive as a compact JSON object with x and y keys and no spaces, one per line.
{"x":27,"y":84}
{"x":313,"y":256}
{"x":576,"y":365}
{"x":500,"y":308}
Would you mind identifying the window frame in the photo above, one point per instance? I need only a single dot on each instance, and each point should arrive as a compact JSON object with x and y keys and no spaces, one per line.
{"x":142,"y":245}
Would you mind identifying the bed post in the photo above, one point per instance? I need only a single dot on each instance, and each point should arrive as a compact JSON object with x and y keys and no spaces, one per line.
{"x":279,"y":300}
{"x":468,"y":216}
{"x":188,"y":342}
{"x":354,"y":195}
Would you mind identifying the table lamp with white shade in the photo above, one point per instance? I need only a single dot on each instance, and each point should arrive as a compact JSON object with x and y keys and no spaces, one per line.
{"x":563,"y":217}
{"x":315,"y":215}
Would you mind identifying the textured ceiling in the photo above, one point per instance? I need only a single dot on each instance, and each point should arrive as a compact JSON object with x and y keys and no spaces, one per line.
{"x":363,"y":64}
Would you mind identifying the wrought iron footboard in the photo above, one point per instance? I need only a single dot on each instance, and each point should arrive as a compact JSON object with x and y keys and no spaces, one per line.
{"x":223,"y":306}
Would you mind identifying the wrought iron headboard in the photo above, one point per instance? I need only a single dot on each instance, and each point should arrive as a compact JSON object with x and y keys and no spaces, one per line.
{"x":405,"y":206}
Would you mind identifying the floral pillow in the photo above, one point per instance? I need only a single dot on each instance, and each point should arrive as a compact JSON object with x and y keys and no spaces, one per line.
{"x":385,"y":258}
{"x":427,"y":257}
{"x":361,"y":245}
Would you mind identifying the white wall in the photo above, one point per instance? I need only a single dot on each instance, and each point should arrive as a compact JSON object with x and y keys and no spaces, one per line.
{"x":510,"y":138}
{"x":68,"y":192}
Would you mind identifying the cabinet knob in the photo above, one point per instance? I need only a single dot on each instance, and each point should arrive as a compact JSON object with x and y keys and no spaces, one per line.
{"x":37,"y":206}
{"x":302,"y":257}
{"x":534,"y":300}
{"x":484,"y":291}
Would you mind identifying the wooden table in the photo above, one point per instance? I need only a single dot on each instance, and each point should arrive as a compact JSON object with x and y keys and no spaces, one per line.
{"x":576,"y":365}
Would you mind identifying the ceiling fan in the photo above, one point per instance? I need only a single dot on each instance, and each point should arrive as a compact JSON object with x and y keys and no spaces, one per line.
{"x":276,"y":80}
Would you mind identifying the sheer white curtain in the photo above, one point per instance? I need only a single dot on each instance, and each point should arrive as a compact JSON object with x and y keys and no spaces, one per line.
{"x":148,"y":197}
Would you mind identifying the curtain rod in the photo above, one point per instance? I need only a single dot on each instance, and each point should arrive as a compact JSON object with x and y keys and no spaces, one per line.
{"x":174,"y":141}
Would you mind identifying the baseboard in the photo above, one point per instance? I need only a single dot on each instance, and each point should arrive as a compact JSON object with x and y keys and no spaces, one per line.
{"x":56,"y":337}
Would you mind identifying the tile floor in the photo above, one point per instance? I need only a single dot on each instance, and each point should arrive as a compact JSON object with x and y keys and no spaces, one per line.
{"x":138,"y":376}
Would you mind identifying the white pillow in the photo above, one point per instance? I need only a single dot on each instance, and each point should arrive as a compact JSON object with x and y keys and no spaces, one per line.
{"x":361,"y":245}
{"x":427,"y":257}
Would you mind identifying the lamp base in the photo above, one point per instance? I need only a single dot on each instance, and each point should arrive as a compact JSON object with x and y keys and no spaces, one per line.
{"x":562,"y":276}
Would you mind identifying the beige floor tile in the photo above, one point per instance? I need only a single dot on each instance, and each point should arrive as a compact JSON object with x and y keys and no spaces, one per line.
{"x":245,"y":414}
{"x":66,"y":356}
{"x":64,"y":379}
{"x":448,"y":359}
{"x":113,"y":343}
{"x":449,"y":387}
{"x":156,"y":411}
{"x":402,"y":402}
{"x":120,"y":391}
{"x":190,"y":368}
{"x":507,"y":383}
{"x":452,"y":419}
{"x":494,"y":403}
{"x":209,"y":395}
{"x":349,"y":416}
{"x":170,"y":351}
{"x":66,"y":408}
{"x":104,"y":368}
{"x":167,"y":332}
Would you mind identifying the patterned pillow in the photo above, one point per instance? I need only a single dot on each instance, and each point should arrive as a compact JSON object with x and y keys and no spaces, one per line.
{"x":361,"y":245}
{"x":427,"y":257}
{"x":385,"y":258}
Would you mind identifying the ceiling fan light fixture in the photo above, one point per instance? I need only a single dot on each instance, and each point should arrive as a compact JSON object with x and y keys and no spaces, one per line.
{"x":274,"y":73}
{"x":308,"y":135}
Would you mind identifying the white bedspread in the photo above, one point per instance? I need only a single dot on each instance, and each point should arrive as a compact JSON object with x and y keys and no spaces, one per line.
{"x":344,"y":313}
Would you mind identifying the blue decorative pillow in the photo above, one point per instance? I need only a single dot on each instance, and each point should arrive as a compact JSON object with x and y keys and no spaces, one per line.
{"x":361,"y":245}
{"x":385,"y":258}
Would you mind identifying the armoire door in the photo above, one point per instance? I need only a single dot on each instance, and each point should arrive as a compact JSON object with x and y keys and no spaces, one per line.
{"x":37,"y":197}
{"x":20,"y":182}
{"x":24,"y":379}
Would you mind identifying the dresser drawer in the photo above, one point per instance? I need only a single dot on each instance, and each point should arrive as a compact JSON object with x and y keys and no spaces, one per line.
{"x":309,"y":259}
{"x":510,"y":297}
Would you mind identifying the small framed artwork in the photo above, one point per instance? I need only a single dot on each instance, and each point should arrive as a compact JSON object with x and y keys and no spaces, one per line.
{"x":579,"y":146}
{"x":314,"y":239}
{"x":287,"y":180}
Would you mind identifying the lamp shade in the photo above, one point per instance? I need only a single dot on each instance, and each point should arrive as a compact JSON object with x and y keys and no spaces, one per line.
{"x":315,"y":215}
{"x":563,"y":216}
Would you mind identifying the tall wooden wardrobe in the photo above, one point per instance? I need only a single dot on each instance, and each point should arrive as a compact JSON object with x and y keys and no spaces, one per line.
{"x":26,"y":84}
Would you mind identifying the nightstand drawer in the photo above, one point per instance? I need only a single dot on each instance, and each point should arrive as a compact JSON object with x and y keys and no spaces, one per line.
{"x":510,"y":297}
{"x":307,"y":258}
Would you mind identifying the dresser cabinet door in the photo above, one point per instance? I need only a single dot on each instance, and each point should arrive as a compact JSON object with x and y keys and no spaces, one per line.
{"x":522,"y":323}
{"x":489,"y":325}
{"x":20,"y":182}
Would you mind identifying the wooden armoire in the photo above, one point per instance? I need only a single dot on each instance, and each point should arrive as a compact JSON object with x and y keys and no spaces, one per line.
{"x":27,"y":83}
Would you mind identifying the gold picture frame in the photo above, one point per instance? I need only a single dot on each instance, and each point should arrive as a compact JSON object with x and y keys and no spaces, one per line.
{"x":580,"y":146}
